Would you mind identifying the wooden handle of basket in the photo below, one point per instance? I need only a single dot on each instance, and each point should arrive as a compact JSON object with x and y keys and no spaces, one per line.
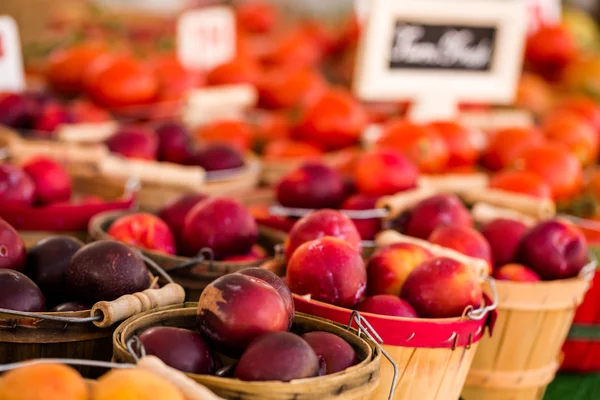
{"x":132,"y":304}
{"x":190,"y":389}
{"x":68,"y":153}
{"x":533,"y":206}
{"x":86,"y":132}
{"x":455,"y":183}
{"x":400,"y":202}
{"x":389,"y":237}
{"x":161,"y":173}
{"x":484,"y":213}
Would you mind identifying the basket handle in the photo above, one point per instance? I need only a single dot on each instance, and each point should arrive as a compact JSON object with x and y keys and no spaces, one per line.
{"x":363,"y":326}
{"x":482,"y":312}
{"x":190,"y":389}
{"x":397,"y":203}
{"x":380,"y":212}
{"x":484,"y":213}
{"x":529,"y":205}
{"x":204,"y":255}
{"x":132,"y":304}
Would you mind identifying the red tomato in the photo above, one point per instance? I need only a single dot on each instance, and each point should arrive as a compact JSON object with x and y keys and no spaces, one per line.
{"x":238,"y":70}
{"x":465,"y":145}
{"x":257,"y":17}
{"x":334,"y":121}
{"x":66,"y":67}
{"x":550,"y":50}
{"x":521,"y":182}
{"x":286,"y":88}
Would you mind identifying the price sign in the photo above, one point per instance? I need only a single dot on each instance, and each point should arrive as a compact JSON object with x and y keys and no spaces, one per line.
{"x":438,"y":54}
{"x":543,"y":12}
{"x":12,"y":77}
{"x":206,"y":37}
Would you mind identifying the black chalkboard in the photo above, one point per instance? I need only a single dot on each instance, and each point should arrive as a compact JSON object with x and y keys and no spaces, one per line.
{"x":442,"y":47}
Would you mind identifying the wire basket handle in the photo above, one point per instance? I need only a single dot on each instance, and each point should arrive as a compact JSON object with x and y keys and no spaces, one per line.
{"x":482,"y":312}
{"x":363,"y":327}
{"x":204,"y":255}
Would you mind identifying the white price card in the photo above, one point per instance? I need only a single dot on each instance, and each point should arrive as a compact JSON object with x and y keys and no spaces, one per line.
{"x":12,"y":77}
{"x":542,"y":12}
{"x":206,"y":37}
{"x":440,"y":55}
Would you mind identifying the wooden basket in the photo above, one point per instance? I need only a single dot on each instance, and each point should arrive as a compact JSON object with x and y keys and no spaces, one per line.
{"x":522,"y":358}
{"x":82,"y":334}
{"x":355,"y":383}
{"x":193,"y":275}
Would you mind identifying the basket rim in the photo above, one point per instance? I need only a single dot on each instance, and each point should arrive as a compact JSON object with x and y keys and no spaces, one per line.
{"x":373,"y":355}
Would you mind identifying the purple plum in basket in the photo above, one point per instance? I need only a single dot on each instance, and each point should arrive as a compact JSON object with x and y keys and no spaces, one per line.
{"x":217,"y":157}
{"x":19,"y":293}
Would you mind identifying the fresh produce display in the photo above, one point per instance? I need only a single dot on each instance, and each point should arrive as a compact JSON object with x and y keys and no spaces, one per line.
{"x":327,"y":170}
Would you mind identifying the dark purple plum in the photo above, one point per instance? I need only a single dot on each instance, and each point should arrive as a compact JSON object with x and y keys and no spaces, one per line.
{"x":19,"y":293}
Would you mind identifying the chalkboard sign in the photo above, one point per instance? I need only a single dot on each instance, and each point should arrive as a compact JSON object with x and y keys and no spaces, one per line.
{"x":440,"y":53}
{"x":429,"y":46}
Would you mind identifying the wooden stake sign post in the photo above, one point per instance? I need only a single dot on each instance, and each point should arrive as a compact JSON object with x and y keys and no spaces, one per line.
{"x":12,"y":77}
{"x":439,"y":53}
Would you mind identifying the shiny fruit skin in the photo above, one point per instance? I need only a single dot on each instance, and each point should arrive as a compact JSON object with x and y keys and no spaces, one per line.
{"x":19,"y":293}
{"x":12,"y":248}
{"x":384,"y":172}
{"x":335,"y":352}
{"x":387,"y":304}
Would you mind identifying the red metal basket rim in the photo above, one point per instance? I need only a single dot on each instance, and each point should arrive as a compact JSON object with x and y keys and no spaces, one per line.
{"x":404,"y":332}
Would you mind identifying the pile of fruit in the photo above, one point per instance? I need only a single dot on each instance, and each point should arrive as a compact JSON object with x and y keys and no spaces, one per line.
{"x":192,"y":223}
{"x":261,"y":343}
{"x":61,"y":274}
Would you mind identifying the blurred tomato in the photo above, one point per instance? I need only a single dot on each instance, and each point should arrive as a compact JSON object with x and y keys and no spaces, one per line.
{"x":297,"y":48}
{"x":269,"y":125}
{"x":583,"y":106}
{"x":465,"y":145}
{"x":121,"y":81}
{"x":534,"y":94}
{"x":285,"y":149}
{"x":286,"y":88}
{"x":236,"y":71}
{"x":575,"y":132}
{"x":234,"y":133}
{"x":521,"y":182}
{"x":422,"y":144}
{"x":173,"y":78}
{"x":507,"y":144}
{"x":557,"y":167}
{"x":549,"y":50}
{"x":257,"y":16}
{"x":334,"y":121}
{"x":66,"y":67}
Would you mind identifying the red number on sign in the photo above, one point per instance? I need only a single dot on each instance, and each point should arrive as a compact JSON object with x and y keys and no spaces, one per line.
{"x":210,"y":34}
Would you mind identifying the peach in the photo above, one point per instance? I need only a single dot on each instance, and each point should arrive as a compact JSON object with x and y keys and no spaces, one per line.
{"x":145,"y":231}
{"x":19,"y":293}
{"x":367,"y":228}
{"x":387,"y":304}
{"x":174,"y":143}
{"x":43,"y":382}
{"x":227,"y":311}
{"x":16,"y":186}
{"x":383,"y":172}
{"x":52,"y":181}
{"x":256,"y":254}
{"x":12,"y":248}
{"x":277,"y":356}
{"x":389,"y":267}
{"x":504,"y":236}
{"x":181,"y":349}
{"x":134,"y":142}
{"x":311,"y":186}
{"x":124,"y":384}
{"x":442,"y":209}
{"x":217,"y":157}
{"x":223,"y":225}
{"x":463,"y":239}
{"x":332,"y":350}
{"x":105,"y":270}
{"x":554,"y":250}
{"x":442,"y":288}
{"x":516,"y":273}
{"x":174,"y":212}
{"x":319,"y":224}
{"x":330,"y":270}
{"x":47,"y":262}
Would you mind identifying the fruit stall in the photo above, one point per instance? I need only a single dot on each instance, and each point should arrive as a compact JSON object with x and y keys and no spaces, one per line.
{"x":253,"y":199}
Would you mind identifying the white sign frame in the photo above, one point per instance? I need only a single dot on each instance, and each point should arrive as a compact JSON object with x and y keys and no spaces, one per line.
{"x":435,"y":92}
{"x":196,"y":53}
{"x":12,"y":75}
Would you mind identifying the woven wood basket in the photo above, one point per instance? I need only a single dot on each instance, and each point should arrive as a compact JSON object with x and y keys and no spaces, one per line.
{"x":82,"y":334}
{"x":194,"y":278}
{"x":522,"y":358}
{"x":355,"y":383}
